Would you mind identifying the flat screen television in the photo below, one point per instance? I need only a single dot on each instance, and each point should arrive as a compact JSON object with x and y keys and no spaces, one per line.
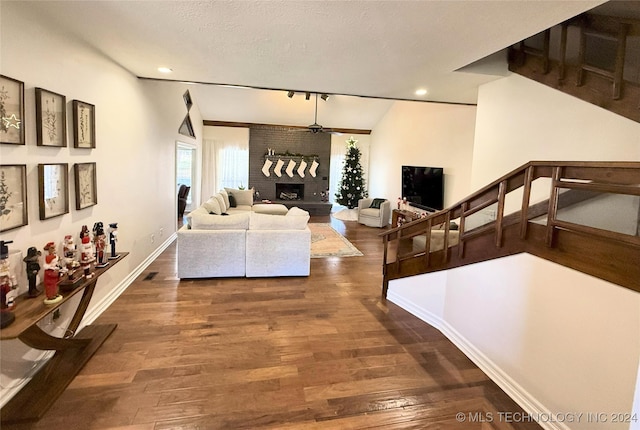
{"x":423,"y":187}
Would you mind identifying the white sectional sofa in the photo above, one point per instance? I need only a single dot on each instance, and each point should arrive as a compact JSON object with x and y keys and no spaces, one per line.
{"x":244,"y":242}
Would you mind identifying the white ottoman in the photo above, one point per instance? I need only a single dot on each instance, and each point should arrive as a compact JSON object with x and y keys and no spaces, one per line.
{"x":270,"y":208}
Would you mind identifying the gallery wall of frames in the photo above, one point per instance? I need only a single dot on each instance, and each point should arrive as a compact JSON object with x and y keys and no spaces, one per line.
{"x":51,"y":131}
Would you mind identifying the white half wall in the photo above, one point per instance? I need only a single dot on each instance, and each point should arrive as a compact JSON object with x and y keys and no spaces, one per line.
{"x":422,"y":134}
{"x":557,"y":340}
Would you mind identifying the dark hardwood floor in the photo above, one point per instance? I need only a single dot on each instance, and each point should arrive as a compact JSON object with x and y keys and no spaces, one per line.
{"x":319,"y":352}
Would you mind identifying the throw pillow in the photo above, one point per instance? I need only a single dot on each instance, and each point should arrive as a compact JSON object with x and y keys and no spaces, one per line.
{"x":212,"y":206}
{"x":232,"y":201}
{"x":225,"y":196}
{"x":223,"y":206}
{"x":243,"y":197}
{"x":375,"y":204}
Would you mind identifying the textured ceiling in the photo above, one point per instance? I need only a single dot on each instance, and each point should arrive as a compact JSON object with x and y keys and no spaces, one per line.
{"x":380,"y":49}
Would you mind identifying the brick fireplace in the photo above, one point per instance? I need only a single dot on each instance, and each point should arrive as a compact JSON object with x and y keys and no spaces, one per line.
{"x":305,"y":191}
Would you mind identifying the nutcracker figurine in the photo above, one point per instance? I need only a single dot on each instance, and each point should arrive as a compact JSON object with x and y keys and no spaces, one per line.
{"x":86,"y":254}
{"x":113,"y":238}
{"x":33,"y":267}
{"x":51,"y":275}
{"x":71,"y":266}
{"x":7,"y":283}
{"x":100,"y":242}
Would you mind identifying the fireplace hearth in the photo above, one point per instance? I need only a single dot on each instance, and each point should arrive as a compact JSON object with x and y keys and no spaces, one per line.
{"x":289,"y":191}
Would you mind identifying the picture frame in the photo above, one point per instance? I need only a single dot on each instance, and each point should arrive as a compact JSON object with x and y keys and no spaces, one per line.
{"x":187,"y":100}
{"x":84,"y":124}
{"x":51,"y":118}
{"x":85,"y":179}
{"x":11,"y":111}
{"x":53,"y":190}
{"x":186,"y":128}
{"x":13,"y":196}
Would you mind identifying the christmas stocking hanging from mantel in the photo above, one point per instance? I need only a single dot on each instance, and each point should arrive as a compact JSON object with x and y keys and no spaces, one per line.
{"x":290,"y":167}
{"x":278,"y":169}
{"x":312,"y":169}
{"x":303,"y":165}
{"x":267,"y":165}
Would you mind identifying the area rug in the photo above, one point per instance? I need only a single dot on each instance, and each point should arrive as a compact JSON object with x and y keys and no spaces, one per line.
{"x":327,"y":242}
{"x":346,"y":214}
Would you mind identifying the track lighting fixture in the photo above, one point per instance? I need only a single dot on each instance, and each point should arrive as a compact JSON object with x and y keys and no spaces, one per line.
{"x":307,"y":95}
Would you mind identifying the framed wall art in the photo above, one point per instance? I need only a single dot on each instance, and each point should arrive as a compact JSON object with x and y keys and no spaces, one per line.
{"x":85,"y":185}
{"x":53,"y":189}
{"x":84,"y":128}
{"x":51,"y":118}
{"x":11,"y":111}
{"x":13,"y":196}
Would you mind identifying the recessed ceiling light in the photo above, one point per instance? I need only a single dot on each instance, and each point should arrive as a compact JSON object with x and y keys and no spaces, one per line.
{"x":421,"y":92}
{"x":164,"y":70}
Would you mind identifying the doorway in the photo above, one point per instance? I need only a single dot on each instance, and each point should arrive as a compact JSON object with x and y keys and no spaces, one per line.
{"x":186,"y":172}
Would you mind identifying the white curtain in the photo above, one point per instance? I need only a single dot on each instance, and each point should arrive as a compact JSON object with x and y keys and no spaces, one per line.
{"x":208,"y":186}
{"x":224,"y":164}
{"x":338,"y":153}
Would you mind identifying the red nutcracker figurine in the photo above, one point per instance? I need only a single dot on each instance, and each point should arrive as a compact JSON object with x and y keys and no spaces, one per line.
{"x":7,"y":283}
{"x":86,"y":252}
{"x":51,"y":275}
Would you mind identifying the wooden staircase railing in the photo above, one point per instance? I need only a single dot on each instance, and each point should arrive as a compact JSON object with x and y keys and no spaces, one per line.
{"x":588,"y":219}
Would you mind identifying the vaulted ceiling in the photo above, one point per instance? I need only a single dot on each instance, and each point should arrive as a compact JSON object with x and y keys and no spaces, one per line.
{"x":375,"y":50}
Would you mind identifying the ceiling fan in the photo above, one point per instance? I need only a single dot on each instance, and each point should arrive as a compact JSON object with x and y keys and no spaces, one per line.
{"x":315,"y":127}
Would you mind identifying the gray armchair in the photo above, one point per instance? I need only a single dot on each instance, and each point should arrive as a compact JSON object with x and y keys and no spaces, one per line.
{"x":373,"y":216}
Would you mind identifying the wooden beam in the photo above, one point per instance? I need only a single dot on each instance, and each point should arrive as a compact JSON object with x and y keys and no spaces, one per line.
{"x":210,"y":123}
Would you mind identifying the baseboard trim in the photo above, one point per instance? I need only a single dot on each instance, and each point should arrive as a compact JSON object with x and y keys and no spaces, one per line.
{"x":7,"y":393}
{"x":108,"y":300}
{"x":514,"y":390}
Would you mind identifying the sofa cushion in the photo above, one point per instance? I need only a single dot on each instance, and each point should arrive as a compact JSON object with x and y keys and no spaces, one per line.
{"x":239,"y":221}
{"x":296,"y":211}
{"x":375,"y":213}
{"x":225,"y":196}
{"x":212,"y":206}
{"x":243,"y":197}
{"x":260,"y":221}
{"x":270,"y":208}
{"x":200,"y":210}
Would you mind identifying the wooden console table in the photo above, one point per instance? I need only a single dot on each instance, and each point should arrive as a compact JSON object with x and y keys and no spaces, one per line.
{"x":71,"y":354}
{"x":399,"y":216}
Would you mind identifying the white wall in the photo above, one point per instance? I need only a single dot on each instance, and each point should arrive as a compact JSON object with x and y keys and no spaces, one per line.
{"x":422,"y":134}
{"x":557,"y":340}
{"x":136,"y":130}
{"x":520,"y":120}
